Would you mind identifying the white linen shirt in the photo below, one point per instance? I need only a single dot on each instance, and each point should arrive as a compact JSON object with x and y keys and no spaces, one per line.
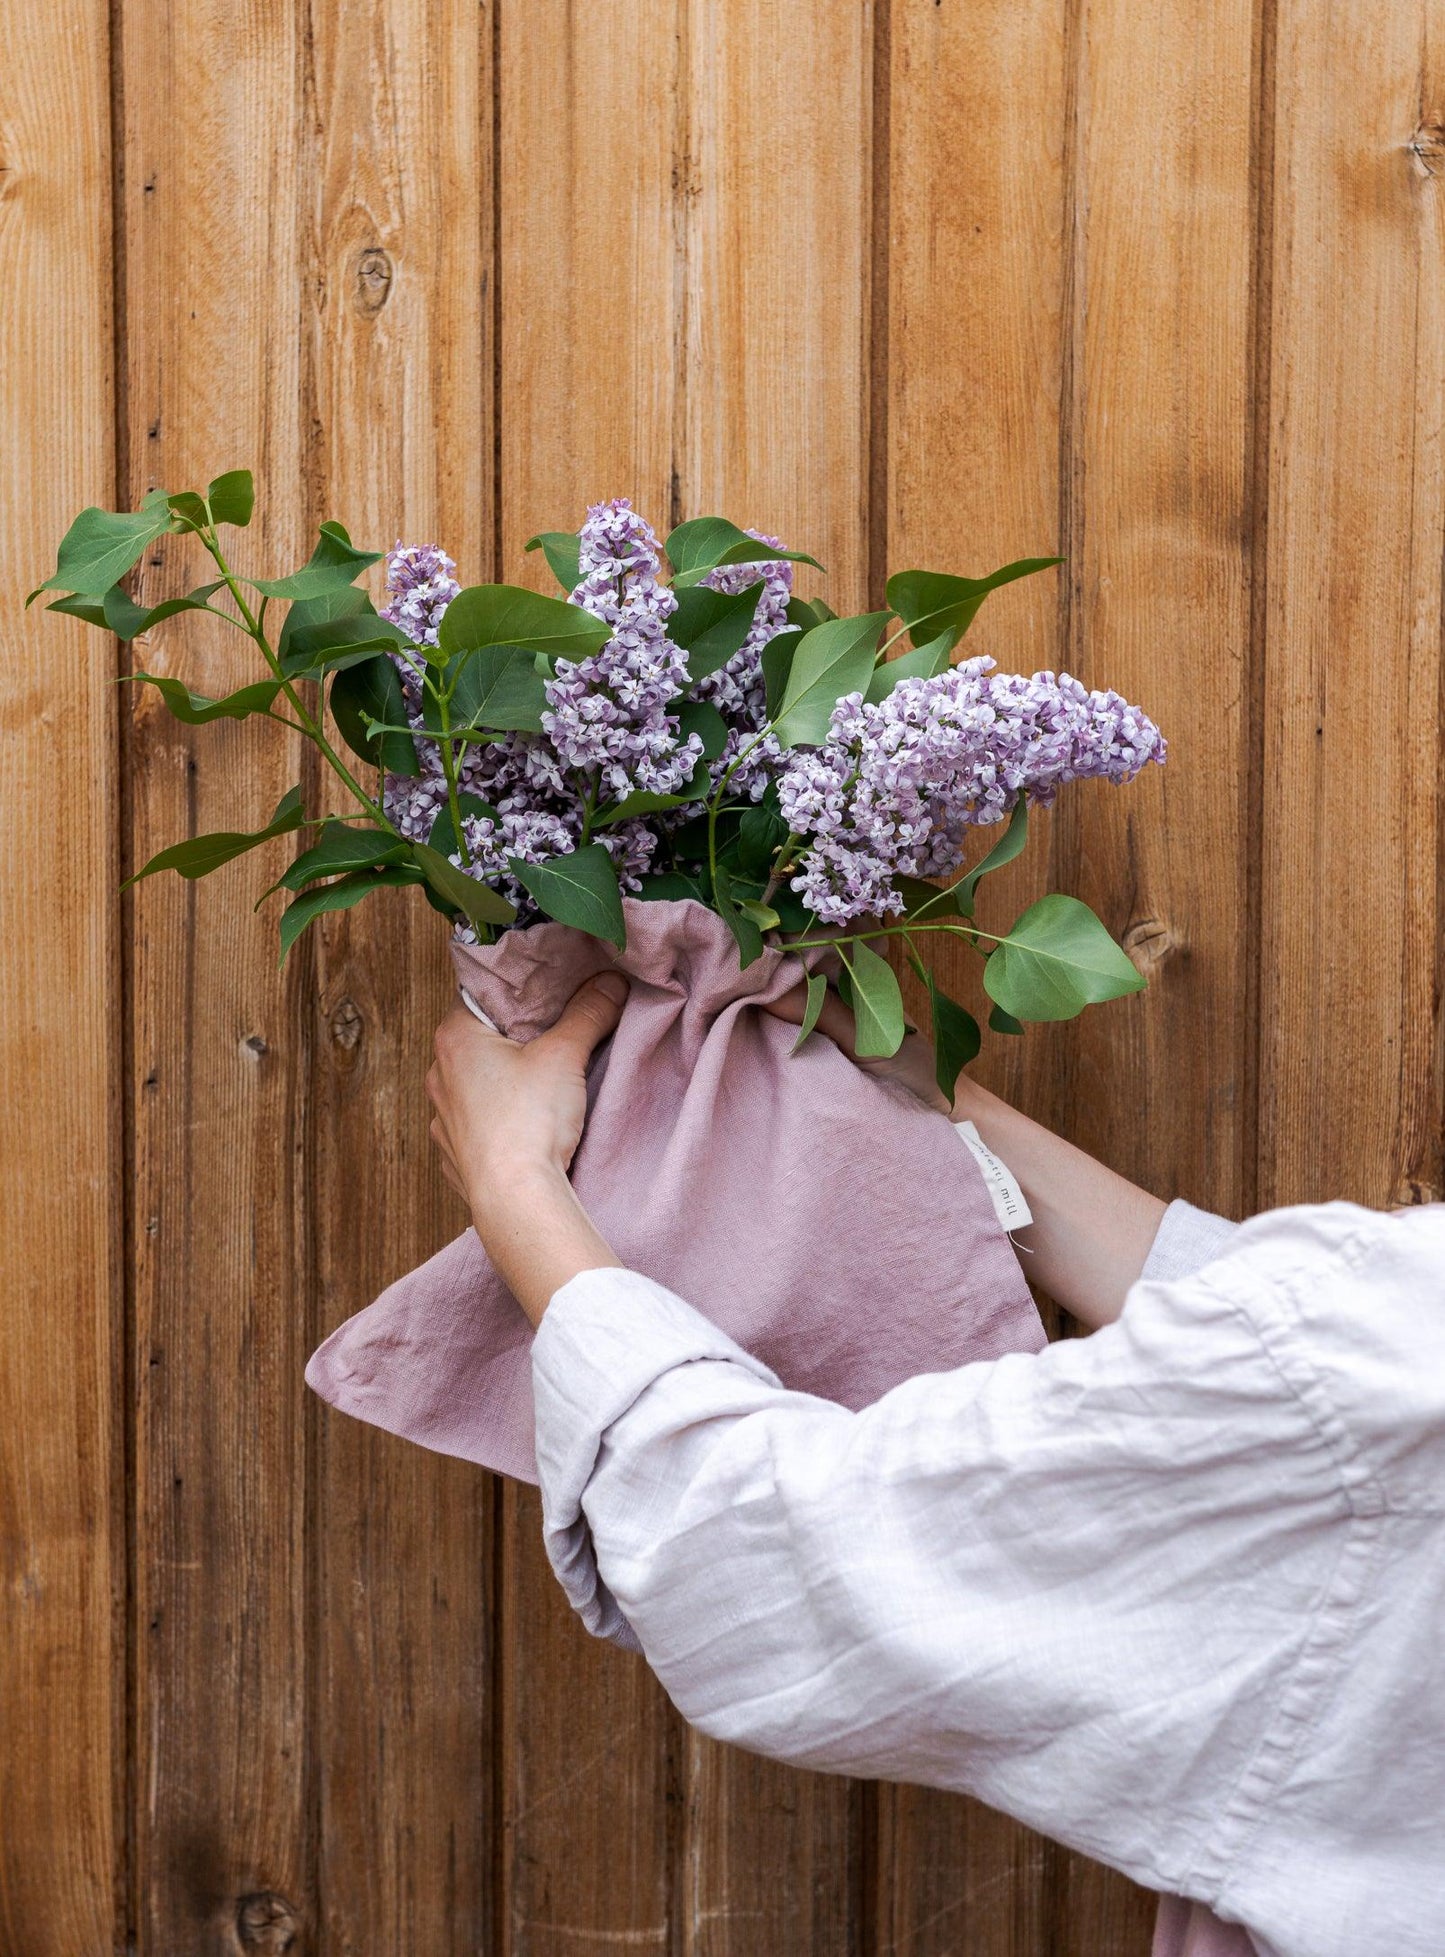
{"x":1173,"y":1594}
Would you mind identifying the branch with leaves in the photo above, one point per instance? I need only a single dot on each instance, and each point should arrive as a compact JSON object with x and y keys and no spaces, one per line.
{"x":716,"y":739}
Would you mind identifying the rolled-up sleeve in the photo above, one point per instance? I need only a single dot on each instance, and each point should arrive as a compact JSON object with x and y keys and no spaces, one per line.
{"x":1035,"y":1579}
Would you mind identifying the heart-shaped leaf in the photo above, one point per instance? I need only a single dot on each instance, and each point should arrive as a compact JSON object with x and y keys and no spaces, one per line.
{"x":925,"y":662}
{"x":499,"y":687}
{"x":195,"y":709}
{"x":1057,"y":959}
{"x":877,"y":1003}
{"x":507,"y":615}
{"x":332,"y":644}
{"x":197,"y":856}
{"x":102,"y":545}
{"x":477,"y":901}
{"x":670,"y":887}
{"x":366,"y":697}
{"x":563,"y":552}
{"x":333,"y":565}
{"x":929,"y":602}
{"x":777,"y":663}
{"x":339,"y":896}
{"x":830,"y":661}
{"x":579,"y":889}
{"x":1009,"y":845}
{"x":1000,"y":1021}
{"x":232,"y":498}
{"x":745,"y":929}
{"x":340,"y":849}
{"x":700,"y":546}
{"x":700,"y":717}
{"x":644,"y":802}
{"x":817,"y":994}
{"x":956,"y":1038}
{"x":711,"y":626}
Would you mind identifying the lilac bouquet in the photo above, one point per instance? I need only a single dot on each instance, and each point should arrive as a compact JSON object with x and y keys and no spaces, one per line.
{"x":814,"y":780}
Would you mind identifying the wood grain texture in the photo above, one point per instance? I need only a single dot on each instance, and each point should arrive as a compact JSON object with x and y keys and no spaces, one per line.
{"x":62,"y":1541}
{"x":213,"y":183}
{"x":401,"y":344}
{"x":1158,"y":540}
{"x":1350,"y":1082}
{"x":588,"y":186}
{"x":975,"y":379}
{"x":774,"y":426}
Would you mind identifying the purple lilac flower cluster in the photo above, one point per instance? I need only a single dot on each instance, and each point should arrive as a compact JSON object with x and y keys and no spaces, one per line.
{"x":898,"y":784}
{"x":737,"y":689}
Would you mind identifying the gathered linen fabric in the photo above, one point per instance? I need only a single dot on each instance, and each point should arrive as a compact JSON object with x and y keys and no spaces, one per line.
{"x":1171,"y":1593}
{"x":831,"y":1224}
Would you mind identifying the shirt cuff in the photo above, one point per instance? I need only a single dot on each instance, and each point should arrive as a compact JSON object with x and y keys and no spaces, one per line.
{"x":1188,"y":1239}
{"x":605,"y":1338}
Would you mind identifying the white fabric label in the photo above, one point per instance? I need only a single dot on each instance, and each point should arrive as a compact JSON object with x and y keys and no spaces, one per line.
{"x":1008,"y":1199}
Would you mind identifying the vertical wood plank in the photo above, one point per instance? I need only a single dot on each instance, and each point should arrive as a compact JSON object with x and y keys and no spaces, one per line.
{"x":976,"y":357}
{"x":1350,"y":1088}
{"x":774,"y":429}
{"x":403,"y":385}
{"x":589,"y":337}
{"x":1158,"y":543}
{"x":213,"y":176}
{"x":61,"y":1538}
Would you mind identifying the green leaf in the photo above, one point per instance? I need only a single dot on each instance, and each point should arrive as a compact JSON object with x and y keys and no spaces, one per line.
{"x":777,"y":663}
{"x":805,"y":613}
{"x":371,"y":690}
{"x":232,"y":498}
{"x":831,"y":660}
{"x":644,"y":802}
{"x":341,"y":848}
{"x":925,"y":662}
{"x":924,"y":899}
{"x":1009,"y":845}
{"x":330,"y":645}
{"x":197,"y":856}
{"x":744,"y":928}
{"x":195,"y":709}
{"x":506,"y":615}
{"x":670,"y":887}
{"x":700,"y":546}
{"x":956,"y":1038}
{"x":499,"y":687}
{"x":443,"y":837}
{"x":476,"y":901}
{"x":563,"y":551}
{"x":710,"y":626}
{"x":189,"y":507}
{"x":118,"y":612}
{"x":761,"y":834}
{"x":333,"y":565}
{"x":763,"y":915}
{"x":877,"y":1003}
{"x":580,"y":889}
{"x":346,"y":601}
{"x":817,"y":994}
{"x":700,"y":717}
{"x":1003,"y":1022}
{"x":928,"y":602}
{"x":102,"y":545}
{"x":340,"y":896}
{"x":1057,"y":959}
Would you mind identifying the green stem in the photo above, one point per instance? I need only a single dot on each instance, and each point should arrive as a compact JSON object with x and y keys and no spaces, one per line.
{"x":589,"y":807}
{"x":449,"y":769}
{"x":254,"y":628}
{"x":715,"y":800}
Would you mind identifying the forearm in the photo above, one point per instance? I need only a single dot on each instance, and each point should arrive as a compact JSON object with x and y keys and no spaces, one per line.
{"x":1092,"y":1229}
{"x":537,"y":1234}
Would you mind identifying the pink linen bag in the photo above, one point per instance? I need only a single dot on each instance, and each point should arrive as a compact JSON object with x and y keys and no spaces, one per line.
{"x":829,"y":1223}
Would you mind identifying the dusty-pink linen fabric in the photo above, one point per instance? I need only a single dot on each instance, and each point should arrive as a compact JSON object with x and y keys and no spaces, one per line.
{"x":826,"y":1221}
{"x":1185,"y":1929}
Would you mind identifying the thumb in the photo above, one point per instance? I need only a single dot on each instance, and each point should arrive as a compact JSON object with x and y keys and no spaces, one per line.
{"x":588,"y":1017}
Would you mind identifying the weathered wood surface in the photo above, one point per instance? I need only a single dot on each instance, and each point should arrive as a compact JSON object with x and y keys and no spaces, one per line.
{"x":936,"y":281}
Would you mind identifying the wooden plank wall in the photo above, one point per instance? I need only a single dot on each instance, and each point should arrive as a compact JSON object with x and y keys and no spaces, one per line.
{"x":935,"y":281}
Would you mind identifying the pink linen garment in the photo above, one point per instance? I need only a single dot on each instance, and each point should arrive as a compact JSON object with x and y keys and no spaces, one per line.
{"x":829,"y":1223}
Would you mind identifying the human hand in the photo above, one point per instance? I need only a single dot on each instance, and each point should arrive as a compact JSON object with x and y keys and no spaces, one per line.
{"x":507,"y":1114}
{"x":911,"y":1068}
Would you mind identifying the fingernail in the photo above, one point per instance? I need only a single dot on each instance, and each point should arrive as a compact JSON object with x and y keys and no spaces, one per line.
{"x":613,"y":985}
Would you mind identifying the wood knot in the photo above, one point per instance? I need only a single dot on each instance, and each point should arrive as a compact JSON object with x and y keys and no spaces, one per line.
{"x":1427,"y":149}
{"x":373,"y":281}
{"x":347,"y":1025}
{"x":1411,"y":1191}
{"x":267,"y":1922}
{"x":1149,"y":941}
{"x":254,"y":1048}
